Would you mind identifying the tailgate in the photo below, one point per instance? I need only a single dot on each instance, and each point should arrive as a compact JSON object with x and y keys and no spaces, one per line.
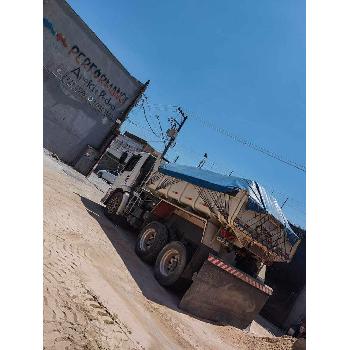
{"x":222,"y":293}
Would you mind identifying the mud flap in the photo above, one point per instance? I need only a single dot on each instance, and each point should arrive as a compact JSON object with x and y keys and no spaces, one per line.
{"x":222,"y":293}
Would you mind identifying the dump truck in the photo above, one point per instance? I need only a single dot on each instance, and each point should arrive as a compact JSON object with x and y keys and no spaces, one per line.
{"x":210,"y":234}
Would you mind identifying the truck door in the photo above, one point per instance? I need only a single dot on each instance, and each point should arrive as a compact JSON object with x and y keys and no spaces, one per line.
{"x":131,"y":171}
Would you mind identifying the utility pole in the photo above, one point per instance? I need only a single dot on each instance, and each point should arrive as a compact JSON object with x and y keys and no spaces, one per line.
{"x":172,"y":133}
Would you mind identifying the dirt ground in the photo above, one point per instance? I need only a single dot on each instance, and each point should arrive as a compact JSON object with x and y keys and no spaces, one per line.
{"x":99,"y":295}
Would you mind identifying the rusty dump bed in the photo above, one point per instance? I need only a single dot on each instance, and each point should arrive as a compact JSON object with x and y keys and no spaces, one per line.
{"x":224,"y":294}
{"x":241,"y":206}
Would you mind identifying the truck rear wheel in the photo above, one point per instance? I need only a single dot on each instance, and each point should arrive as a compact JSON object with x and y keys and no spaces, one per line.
{"x":170,"y":263}
{"x":151,"y":240}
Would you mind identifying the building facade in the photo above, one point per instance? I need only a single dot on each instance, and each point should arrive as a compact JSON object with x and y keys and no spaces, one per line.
{"x":128,"y":144}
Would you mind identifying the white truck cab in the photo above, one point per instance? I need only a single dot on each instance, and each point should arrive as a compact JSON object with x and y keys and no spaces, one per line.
{"x":135,"y":171}
{"x":131,"y":171}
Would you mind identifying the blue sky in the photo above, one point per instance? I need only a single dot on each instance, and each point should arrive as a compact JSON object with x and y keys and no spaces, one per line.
{"x":238,"y":64}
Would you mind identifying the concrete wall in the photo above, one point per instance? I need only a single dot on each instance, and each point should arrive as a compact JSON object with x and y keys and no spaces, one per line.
{"x":123,"y":144}
{"x":86,"y":89}
{"x":298,"y":311}
{"x":287,"y":281}
{"x":69,"y":125}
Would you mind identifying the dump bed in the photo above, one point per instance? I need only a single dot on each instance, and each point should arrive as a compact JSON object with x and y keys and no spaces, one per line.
{"x":240,"y":205}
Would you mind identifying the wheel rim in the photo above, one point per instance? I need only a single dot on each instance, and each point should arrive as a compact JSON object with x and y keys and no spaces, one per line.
{"x":113,"y":204}
{"x":147,"y":239}
{"x":169,"y":262}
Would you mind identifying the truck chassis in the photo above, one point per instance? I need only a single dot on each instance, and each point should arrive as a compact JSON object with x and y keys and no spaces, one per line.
{"x":184,"y":248}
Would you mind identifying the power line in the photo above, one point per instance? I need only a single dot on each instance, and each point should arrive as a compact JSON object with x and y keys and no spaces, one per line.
{"x":239,"y":139}
{"x":220,"y":166}
{"x":211,"y":164}
{"x":143,"y":129}
{"x":164,"y":107}
{"x":160,"y":127}
{"x":174,"y":131}
{"x":251,"y":144}
{"x":149,"y":125}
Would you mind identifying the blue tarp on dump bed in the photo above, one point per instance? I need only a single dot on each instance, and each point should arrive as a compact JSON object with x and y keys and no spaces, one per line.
{"x":259,"y":199}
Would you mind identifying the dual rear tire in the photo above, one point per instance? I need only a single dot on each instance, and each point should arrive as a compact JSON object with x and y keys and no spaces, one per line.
{"x":170,"y":263}
{"x":152,"y":245}
{"x":169,"y":258}
{"x":151,"y":240}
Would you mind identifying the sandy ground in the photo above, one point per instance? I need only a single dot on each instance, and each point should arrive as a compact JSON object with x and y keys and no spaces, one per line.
{"x":99,"y":295}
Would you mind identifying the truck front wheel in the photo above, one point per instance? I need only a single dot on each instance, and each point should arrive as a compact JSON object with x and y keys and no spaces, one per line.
{"x":112,"y":205}
{"x":151,"y":240}
{"x":170,"y":263}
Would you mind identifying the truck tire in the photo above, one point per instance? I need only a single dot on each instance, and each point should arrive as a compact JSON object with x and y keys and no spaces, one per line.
{"x":170,"y":263}
{"x":150,"y":241}
{"x":112,"y":206}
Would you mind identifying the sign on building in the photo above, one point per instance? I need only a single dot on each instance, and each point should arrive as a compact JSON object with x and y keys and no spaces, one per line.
{"x":86,"y":89}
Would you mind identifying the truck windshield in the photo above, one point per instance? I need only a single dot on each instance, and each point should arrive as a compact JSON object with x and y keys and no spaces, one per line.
{"x":130,"y":165}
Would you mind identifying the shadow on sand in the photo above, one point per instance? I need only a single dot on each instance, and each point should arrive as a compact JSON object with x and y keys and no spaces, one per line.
{"x":123,"y":241}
